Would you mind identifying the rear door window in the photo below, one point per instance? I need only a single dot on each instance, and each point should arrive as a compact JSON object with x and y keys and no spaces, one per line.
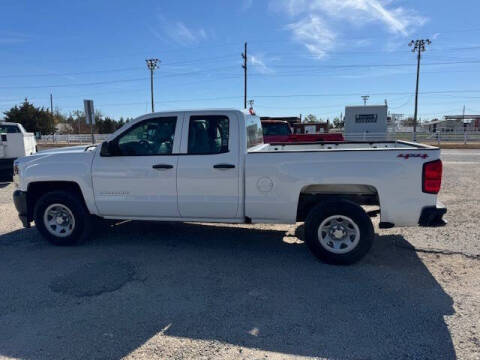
{"x":208,"y":134}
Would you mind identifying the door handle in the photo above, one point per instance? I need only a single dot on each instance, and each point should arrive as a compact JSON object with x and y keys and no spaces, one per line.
{"x":162,"y":166}
{"x":224,"y":166}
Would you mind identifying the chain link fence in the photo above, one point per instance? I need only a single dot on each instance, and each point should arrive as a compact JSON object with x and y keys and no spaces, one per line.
{"x":72,"y":138}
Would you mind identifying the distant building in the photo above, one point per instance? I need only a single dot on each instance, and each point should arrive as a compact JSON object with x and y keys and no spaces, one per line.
{"x":454,"y":123}
{"x":63,"y":128}
{"x":366,"y":121}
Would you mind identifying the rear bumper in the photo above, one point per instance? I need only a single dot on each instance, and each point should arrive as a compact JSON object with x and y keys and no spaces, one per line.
{"x":20,"y":201}
{"x":431,"y":216}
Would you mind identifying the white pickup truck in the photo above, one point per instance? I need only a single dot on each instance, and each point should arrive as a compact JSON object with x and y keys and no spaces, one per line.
{"x":212,"y":166}
{"x":15,"y":142}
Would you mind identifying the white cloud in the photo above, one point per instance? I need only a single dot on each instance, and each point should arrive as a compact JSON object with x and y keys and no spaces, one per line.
{"x":179,"y":32}
{"x":258,"y":63}
{"x":316,"y":29}
{"x":314,"y":34}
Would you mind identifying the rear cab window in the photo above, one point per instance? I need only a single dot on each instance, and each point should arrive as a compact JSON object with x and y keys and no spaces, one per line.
{"x":9,"y":129}
{"x":270,"y":129}
{"x":254,"y":131}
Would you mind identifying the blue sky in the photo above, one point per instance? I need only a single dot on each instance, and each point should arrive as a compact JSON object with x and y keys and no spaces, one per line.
{"x":305,"y":56}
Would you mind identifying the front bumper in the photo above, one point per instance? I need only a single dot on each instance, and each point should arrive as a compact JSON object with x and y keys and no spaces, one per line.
{"x":20,"y":201}
{"x":431,"y":216}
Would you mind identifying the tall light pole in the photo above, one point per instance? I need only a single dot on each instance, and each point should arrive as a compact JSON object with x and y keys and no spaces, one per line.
{"x":152,"y":64}
{"x":419,"y":47}
{"x":365,"y":98}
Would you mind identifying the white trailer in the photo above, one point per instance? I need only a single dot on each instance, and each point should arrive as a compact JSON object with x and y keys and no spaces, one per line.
{"x":366,"y":122}
{"x":15,"y":142}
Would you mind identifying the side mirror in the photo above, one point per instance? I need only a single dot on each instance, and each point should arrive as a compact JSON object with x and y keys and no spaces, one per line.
{"x":106,"y":149}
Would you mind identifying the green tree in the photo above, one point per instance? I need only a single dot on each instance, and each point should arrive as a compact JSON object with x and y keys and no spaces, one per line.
{"x":310,"y":118}
{"x":33,"y":119}
{"x":338,"y":124}
{"x":106,"y":126}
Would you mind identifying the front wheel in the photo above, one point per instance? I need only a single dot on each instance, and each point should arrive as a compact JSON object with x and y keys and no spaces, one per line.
{"x":339,"y":232}
{"x":61,"y":217}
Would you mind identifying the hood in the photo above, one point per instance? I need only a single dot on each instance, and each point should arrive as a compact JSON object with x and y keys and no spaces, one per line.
{"x":70,"y":149}
{"x":56,"y":152}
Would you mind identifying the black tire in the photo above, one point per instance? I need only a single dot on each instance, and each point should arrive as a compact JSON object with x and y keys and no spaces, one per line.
{"x":344,"y":208}
{"x":83,"y":220}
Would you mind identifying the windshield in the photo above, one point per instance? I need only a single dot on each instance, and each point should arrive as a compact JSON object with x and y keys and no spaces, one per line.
{"x":270,"y":129}
{"x":9,"y":129}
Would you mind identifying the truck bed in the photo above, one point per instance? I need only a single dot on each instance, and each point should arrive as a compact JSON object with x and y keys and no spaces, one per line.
{"x":276,"y":174}
{"x":343,"y":145}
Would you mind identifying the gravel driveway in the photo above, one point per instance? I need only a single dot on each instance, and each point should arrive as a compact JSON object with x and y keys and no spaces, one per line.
{"x":165,"y":290}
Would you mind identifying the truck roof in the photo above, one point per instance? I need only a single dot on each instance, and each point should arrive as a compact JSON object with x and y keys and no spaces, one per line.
{"x":9,"y":123}
{"x":199,"y":110}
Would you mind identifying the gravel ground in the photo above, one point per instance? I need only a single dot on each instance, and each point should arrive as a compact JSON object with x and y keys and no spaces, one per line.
{"x":165,"y":290}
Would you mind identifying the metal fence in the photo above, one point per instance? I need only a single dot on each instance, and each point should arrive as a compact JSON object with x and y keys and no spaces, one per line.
{"x":438,"y":137}
{"x":72,"y":138}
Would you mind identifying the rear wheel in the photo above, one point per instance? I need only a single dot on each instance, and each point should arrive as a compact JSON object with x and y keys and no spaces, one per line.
{"x":338,"y":232}
{"x":62,"y":218}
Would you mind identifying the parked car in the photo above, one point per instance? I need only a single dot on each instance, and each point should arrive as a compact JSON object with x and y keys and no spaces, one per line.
{"x":213,"y":166}
{"x":278,"y":131}
{"x":15,"y":142}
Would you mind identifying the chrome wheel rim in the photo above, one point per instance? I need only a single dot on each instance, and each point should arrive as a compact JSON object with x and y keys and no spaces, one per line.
{"x":338,"y":234}
{"x":59,"y":220}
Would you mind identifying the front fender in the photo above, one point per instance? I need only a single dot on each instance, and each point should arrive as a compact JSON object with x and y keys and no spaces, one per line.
{"x":74,"y":168}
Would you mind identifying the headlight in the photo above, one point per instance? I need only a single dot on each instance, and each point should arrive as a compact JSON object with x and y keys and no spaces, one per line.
{"x":16,"y":175}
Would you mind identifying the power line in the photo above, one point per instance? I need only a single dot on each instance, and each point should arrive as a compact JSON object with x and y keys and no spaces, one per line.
{"x":73,"y":85}
{"x":275,"y":96}
{"x":296,"y":66}
{"x":375,"y":65}
{"x":204,"y":72}
{"x":71,"y":73}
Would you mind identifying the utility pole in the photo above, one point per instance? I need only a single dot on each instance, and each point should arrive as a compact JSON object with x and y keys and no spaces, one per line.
{"x":244,"y":66}
{"x":152,"y":65}
{"x":419,"y":47}
{"x":365,"y":98}
{"x":51,"y":104}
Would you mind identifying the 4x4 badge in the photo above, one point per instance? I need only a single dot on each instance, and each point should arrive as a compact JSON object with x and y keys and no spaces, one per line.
{"x":407,"y":156}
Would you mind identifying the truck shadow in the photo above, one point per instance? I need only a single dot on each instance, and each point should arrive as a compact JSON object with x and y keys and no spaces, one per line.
{"x":138,"y":283}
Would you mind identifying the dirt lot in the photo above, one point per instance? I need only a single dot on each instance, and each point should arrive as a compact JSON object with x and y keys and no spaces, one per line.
{"x":146,"y":290}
